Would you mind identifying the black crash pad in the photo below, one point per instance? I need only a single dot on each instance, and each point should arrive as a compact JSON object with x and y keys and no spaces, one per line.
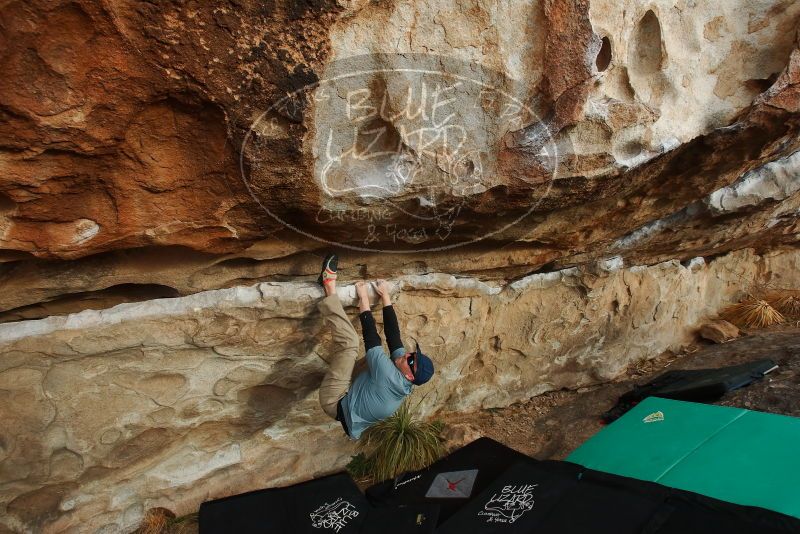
{"x":697,"y":385}
{"x":564,"y":498}
{"x":412,"y":518}
{"x":332,"y":501}
{"x":489,"y":457}
{"x":546,"y":497}
{"x":332,"y":504}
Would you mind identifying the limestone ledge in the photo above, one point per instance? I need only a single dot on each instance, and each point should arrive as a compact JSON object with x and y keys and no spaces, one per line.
{"x":170,"y":402}
{"x":776,"y":180}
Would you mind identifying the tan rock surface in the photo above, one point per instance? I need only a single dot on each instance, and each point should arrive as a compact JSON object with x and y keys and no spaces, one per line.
{"x":174,"y":401}
{"x":458,"y":435}
{"x":719,"y":331}
{"x":670,"y":131}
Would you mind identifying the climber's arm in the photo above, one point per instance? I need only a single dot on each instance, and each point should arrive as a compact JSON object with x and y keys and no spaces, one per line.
{"x":368,"y":328}
{"x":391,"y":328}
{"x":370,"y":331}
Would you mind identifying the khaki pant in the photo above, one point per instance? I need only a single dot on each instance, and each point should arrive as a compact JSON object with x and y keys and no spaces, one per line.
{"x":337,"y":380}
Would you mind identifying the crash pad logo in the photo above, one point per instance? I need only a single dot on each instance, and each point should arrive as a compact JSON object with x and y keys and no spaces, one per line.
{"x":654,"y":417}
{"x":452,"y":485}
{"x":399,"y":152}
{"x":509,"y":505}
{"x":333,"y":516}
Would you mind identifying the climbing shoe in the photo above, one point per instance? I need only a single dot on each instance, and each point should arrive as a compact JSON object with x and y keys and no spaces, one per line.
{"x":329,"y":269}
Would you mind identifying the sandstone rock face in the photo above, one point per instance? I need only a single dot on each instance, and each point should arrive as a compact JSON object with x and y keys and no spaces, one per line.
{"x":174,"y":401}
{"x":561,"y":187}
{"x":161,"y":150}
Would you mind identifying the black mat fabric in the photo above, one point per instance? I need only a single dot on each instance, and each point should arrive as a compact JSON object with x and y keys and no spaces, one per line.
{"x":330,"y":504}
{"x":412,"y":519}
{"x":552,"y":497}
{"x":688,"y":513}
{"x":516,"y":502}
{"x":697,"y":385}
{"x":489,"y":457}
{"x":564,"y":498}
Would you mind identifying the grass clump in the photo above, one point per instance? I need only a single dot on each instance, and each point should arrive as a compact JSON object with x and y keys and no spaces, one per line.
{"x":397,"y":444}
{"x":155,"y":521}
{"x":360,"y":467}
{"x":752,"y":312}
{"x":163,"y":521}
{"x":786,"y":301}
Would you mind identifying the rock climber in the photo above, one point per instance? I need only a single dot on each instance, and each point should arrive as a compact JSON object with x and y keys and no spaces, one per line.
{"x":376,"y":393}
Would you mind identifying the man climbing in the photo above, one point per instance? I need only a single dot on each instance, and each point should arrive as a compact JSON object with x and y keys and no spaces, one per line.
{"x":376,"y":393}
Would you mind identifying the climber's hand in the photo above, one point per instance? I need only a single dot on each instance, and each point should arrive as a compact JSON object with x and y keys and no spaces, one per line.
{"x":363,"y":296}
{"x":362,"y":291}
{"x":383,"y":289}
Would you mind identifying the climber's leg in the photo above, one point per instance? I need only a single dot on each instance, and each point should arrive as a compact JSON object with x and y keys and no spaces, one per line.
{"x":337,"y":380}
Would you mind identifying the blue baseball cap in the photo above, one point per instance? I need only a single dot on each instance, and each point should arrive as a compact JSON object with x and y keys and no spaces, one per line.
{"x":424,"y":368}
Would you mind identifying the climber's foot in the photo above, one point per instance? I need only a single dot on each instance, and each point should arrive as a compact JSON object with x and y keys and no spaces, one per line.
{"x":327,"y":278}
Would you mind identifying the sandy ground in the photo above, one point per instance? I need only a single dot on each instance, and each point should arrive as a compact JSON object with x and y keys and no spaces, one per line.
{"x":551,"y":426}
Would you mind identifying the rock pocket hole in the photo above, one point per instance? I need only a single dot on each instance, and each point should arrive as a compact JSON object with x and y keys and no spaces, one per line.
{"x":648,"y":54}
{"x":7,"y":255}
{"x":6,"y":205}
{"x":760,"y":85}
{"x":629,"y":150}
{"x":603,"y":59}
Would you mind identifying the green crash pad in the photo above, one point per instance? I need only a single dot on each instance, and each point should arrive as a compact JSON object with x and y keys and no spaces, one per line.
{"x":740,"y":456}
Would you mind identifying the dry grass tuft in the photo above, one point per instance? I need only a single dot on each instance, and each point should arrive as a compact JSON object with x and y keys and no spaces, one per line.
{"x":786,"y":301}
{"x":752,"y":313}
{"x":163,"y":521}
{"x":156,"y":521}
{"x":400,"y":443}
{"x":187,"y":524}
